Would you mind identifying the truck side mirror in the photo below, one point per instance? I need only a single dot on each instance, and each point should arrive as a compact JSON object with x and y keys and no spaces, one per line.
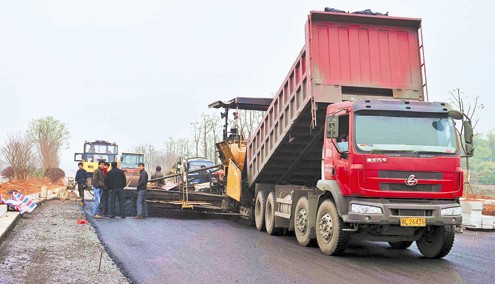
{"x":332,"y":126}
{"x":468,"y":138}
{"x":468,"y":132}
{"x":469,"y":150}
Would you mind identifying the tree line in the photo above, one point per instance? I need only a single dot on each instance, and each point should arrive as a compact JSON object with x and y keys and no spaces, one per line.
{"x":482,"y":164}
{"x":205,"y":132}
{"x":36,"y":151}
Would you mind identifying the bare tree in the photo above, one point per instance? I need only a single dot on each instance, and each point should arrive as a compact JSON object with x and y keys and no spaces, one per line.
{"x":18,"y":152}
{"x":249,"y":121}
{"x":216,"y":133}
{"x":174,"y":149}
{"x":2,"y":164}
{"x":469,"y":110}
{"x":183,"y":147}
{"x":49,"y":136}
{"x":207,"y":125}
{"x":196,"y":131}
{"x":207,"y":131}
{"x":171,"y":155}
{"x":151,"y":155}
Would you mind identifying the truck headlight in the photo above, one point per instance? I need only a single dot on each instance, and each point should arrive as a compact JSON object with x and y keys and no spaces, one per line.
{"x":365,"y":209}
{"x":451,"y":211}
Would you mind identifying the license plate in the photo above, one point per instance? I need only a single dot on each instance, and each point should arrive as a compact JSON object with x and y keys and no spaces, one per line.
{"x":413,"y":222}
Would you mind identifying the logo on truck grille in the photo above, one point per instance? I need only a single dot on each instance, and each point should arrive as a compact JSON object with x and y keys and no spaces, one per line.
{"x":411,"y":180}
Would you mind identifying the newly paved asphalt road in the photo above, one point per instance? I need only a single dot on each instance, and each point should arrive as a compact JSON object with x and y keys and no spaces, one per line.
{"x":166,"y":250}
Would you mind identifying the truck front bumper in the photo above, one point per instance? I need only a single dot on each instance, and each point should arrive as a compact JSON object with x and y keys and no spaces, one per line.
{"x":392,"y":210}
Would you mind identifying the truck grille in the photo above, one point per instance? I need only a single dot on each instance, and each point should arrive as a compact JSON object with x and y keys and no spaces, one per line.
{"x":403,"y":187}
{"x":406,"y":174}
{"x":411,"y":212}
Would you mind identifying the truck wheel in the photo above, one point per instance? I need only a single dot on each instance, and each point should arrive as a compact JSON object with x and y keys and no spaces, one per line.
{"x":400,"y":245}
{"x":259,"y":210}
{"x":301,"y":223}
{"x":437,"y":242}
{"x":270,"y":215}
{"x":331,"y":239}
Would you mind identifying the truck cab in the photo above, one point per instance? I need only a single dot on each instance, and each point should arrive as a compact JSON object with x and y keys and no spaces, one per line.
{"x":398,"y":176}
{"x":129,"y":164}
{"x":96,"y":151}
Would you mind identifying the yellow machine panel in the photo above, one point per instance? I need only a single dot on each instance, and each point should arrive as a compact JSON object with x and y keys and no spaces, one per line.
{"x":239,"y":154}
{"x":234,"y":185}
{"x":234,"y":151}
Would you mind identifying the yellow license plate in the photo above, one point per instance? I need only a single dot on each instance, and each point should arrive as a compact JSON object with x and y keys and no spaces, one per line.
{"x":413,"y":222}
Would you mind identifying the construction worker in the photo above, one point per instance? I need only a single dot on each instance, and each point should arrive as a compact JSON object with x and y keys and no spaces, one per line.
{"x":116,"y":182}
{"x":158,"y":174}
{"x":81,"y":179}
{"x":142,"y":207}
{"x":98,"y":182}
{"x":105,"y":193}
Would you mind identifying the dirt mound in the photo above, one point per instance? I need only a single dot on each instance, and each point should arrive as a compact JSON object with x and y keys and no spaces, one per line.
{"x":477,"y":196}
{"x":488,"y":210}
{"x":28,"y":186}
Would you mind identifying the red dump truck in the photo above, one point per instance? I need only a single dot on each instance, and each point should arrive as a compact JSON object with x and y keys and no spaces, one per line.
{"x":349,"y":147}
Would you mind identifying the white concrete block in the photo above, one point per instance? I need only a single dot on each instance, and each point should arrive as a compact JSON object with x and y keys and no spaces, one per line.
{"x":3,"y":209}
{"x":44,"y":191}
{"x":7,"y":221}
{"x":466,"y":219}
{"x":487,"y":222}
{"x":468,"y":206}
{"x":51,"y":193}
{"x":476,"y":219}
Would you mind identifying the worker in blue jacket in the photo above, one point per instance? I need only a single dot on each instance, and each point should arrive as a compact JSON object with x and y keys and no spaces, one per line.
{"x":81,"y":179}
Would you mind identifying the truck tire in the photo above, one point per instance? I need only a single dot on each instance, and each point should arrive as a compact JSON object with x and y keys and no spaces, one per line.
{"x":437,"y":242}
{"x":331,"y":239}
{"x":301,"y":223}
{"x":270,"y":215}
{"x":400,"y":245}
{"x":259,"y":210}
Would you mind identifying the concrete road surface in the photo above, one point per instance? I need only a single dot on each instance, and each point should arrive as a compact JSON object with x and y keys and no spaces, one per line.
{"x":161,"y":250}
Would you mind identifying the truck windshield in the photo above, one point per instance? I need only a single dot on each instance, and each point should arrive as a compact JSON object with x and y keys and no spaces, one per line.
{"x":198,"y":164}
{"x":132,"y":160}
{"x":399,"y":133}
{"x":101,"y":148}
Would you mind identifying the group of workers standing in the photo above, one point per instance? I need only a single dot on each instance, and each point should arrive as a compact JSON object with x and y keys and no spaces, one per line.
{"x":108,"y":185}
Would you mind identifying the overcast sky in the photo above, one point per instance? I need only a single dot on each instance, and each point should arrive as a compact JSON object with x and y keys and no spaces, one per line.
{"x":137,"y":72}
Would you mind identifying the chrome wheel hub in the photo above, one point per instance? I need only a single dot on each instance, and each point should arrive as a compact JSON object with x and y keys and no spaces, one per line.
{"x":326,"y":226}
{"x":302,"y":221}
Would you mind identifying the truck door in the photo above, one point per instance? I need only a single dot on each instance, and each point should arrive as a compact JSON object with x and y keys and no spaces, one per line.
{"x":336,"y":155}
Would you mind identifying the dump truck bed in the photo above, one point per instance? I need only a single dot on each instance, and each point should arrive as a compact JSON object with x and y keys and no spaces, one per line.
{"x":345,"y":56}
